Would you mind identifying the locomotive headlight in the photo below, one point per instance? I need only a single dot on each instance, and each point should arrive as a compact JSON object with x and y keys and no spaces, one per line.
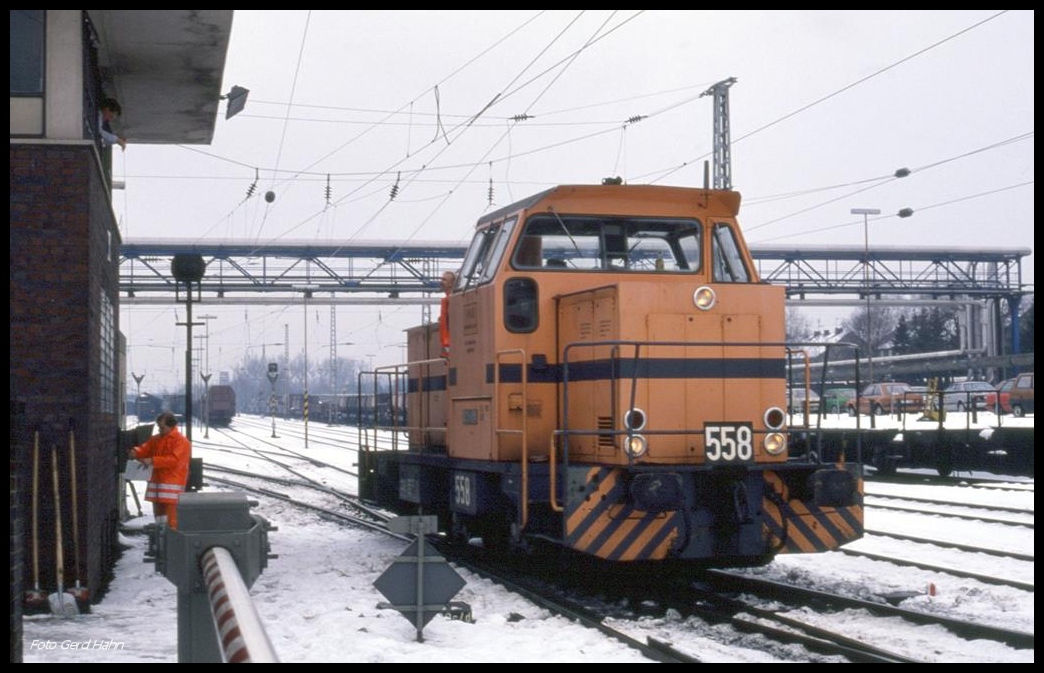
{"x":775,"y":443}
{"x":704,"y":298}
{"x":635,"y":419}
{"x":774,"y":418}
{"x":635,"y":446}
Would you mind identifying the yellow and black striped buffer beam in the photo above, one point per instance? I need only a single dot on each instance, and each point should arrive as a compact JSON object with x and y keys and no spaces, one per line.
{"x":796,"y":526}
{"x":600,"y":521}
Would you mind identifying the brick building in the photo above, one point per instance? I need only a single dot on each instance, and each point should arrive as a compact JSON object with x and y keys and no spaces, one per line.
{"x":165,"y":69}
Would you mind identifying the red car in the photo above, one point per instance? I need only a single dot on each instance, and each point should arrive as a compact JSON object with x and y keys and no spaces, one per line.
{"x":1022,"y":395}
{"x":1004,"y":391}
{"x":889,"y":397}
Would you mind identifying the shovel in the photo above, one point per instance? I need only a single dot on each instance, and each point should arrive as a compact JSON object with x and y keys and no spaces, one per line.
{"x":81,"y":592}
{"x":62,"y":604}
{"x":35,"y":597}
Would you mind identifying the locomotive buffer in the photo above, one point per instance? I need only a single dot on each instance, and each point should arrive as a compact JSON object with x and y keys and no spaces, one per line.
{"x":418,"y":584}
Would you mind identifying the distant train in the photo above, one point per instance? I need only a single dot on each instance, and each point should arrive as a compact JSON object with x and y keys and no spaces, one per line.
{"x":386,"y":409}
{"x":147,"y":407}
{"x":615,"y":385}
{"x":221,"y":405}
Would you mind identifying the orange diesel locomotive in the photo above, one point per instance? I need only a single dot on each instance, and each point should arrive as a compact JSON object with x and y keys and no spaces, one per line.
{"x":615,"y":384}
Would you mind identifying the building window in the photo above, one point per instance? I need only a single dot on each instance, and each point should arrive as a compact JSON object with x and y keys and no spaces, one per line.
{"x":108,"y":356}
{"x":27,"y":51}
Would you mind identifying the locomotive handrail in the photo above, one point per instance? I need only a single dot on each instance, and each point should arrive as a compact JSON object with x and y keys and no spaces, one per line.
{"x":808,"y":381}
{"x":524,"y":512}
{"x":555,"y":507}
{"x":393,"y":394}
{"x":393,"y":370}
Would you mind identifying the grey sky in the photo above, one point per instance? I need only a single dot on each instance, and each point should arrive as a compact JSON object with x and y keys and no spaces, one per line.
{"x":970,"y":92}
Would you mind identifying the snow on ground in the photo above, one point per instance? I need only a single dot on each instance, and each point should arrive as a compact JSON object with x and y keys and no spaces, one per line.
{"x":954,"y":421}
{"x":318,"y":602}
{"x":955,"y":597}
{"x":988,"y":535}
{"x":969,"y":497}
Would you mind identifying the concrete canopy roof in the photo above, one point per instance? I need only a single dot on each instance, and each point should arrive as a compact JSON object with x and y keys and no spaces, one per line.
{"x":165,"y":68}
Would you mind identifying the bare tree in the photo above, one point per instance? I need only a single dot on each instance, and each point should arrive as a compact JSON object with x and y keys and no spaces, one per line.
{"x":882,"y":324}
{"x":799,"y":325}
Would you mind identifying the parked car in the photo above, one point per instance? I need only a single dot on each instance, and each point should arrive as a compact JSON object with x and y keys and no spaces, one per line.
{"x":834,"y":400}
{"x":1022,"y":395}
{"x":1004,"y":394}
{"x":969,"y":395}
{"x":796,"y":401}
{"x":890,"y":397}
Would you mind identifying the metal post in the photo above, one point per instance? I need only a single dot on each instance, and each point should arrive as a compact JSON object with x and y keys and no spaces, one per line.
{"x":286,"y":368}
{"x":208,"y":318}
{"x":217,"y":552}
{"x":865,"y":212}
{"x":333,"y":360}
{"x":273,"y":374}
{"x":188,"y":366}
{"x":722,"y":142}
{"x":206,"y":404}
{"x":307,"y":290}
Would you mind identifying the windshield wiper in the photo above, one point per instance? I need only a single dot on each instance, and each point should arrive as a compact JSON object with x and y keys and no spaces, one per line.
{"x":576,"y":247}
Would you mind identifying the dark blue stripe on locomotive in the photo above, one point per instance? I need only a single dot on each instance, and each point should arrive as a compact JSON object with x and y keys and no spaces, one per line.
{"x":645,"y":368}
{"x":430,"y":384}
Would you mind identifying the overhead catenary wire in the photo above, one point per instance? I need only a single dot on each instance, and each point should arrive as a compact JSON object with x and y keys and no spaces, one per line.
{"x":885,"y":217}
{"x":901,"y":173}
{"x":286,"y":121}
{"x":670,"y":171}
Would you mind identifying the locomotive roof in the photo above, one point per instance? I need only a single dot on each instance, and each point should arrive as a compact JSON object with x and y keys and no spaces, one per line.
{"x":726,"y":202}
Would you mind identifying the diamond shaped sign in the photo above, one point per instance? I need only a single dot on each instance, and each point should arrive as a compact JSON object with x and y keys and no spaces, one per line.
{"x":438,"y":583}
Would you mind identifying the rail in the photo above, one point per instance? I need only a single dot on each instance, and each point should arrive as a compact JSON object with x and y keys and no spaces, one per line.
{"x":239,"y":629}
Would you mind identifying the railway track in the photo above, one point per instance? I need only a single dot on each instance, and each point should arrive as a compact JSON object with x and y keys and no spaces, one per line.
{"x":652,"y":648}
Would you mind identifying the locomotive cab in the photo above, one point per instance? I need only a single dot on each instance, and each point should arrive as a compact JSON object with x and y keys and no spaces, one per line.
{"x":615,"y":383}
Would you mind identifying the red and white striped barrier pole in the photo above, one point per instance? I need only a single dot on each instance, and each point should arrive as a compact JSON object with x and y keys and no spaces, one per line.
{"x":240,"y":633}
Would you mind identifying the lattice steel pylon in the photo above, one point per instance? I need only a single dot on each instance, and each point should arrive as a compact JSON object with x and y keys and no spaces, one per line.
{"x":722,"y":142}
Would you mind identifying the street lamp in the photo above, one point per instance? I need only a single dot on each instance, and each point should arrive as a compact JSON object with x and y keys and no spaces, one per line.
{"x":307,"y":291}
{"x":208,"y":318}
{"x":865,"y":212}
{"x":137,"y":400}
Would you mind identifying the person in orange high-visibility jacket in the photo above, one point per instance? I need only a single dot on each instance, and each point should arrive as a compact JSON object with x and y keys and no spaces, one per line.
{"x":448,"y":279}
{"x":168,"y":453}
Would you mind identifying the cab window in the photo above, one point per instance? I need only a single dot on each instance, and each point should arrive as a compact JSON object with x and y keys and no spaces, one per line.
{"x":726,"y":257}
{"x":484,"y":254}
{"x":584,"y":243}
